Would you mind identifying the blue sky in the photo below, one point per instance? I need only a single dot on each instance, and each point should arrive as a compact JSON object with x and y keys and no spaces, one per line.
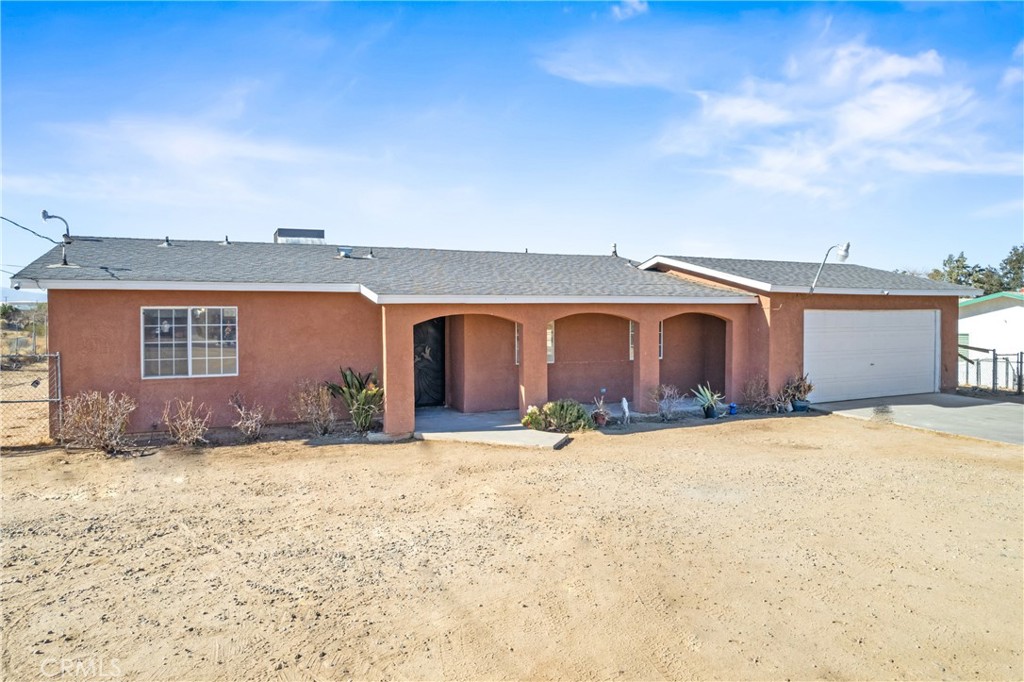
{"x":725,"y":129}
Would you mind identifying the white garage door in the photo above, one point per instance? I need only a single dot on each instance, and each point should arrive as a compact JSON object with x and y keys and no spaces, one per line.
{"x":850,"y":354}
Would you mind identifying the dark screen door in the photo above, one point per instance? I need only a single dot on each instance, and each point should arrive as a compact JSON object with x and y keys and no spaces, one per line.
{"x":428,"y":359}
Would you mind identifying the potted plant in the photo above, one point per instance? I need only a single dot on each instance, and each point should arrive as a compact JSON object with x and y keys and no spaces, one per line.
{"x":797,"y":390}
{"x":600,"y":414}
{"x":707,"y":399}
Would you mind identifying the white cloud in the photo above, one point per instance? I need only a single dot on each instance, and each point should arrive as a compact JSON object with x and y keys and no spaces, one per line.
{"x":836,"y":119}
{"x":605,"y":65}
{"x":1011,"y":77}
{"x":893,"y":109}
{"x":627,"y":9}
{"x":865,"y":65}
{"x":1018,"y":51}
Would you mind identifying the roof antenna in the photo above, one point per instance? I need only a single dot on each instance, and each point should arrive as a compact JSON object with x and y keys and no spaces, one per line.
{"x":615,"y":249}
{"x":226,"y":242}
{"x":165,"y":243}
{"x":527,"y":250}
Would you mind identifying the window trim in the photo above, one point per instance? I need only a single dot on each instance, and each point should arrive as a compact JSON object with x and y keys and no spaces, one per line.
{"x":516,"y":324}
{"x":550,"y":338}
{"x":632,"y":340}
{"x":661,"y":339}
{"x":188,"y":333}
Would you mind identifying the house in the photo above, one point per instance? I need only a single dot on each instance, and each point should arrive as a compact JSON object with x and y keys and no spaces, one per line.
{"x":476,"y":330}
{"x":995,"y":321}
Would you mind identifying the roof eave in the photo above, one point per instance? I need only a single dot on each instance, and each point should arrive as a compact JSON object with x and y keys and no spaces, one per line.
{"x":769,"y":288}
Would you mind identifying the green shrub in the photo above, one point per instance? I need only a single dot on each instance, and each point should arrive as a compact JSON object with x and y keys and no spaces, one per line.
{"x":535,"y":419}
{"x":362,"y":395}
{"x":567,"y":416}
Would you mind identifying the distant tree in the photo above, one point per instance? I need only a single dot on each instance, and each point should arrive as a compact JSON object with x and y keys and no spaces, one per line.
{"x":8,"y":312}
{"x":914,"y":272}
{"x":956,"y":270}
{"x":1011,"y":269}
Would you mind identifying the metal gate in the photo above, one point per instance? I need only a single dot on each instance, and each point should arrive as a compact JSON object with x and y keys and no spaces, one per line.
{"x":30,"y":398}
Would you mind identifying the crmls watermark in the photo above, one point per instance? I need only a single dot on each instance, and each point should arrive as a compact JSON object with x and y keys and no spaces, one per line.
{"x":81,"y":668}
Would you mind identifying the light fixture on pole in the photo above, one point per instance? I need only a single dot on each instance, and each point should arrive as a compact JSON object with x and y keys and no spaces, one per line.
{"x":67,"y":235}
{"x":842,"y":254}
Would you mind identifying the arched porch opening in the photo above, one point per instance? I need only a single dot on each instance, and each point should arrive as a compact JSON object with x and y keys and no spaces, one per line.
{"x":588,"y":352}
{"x":693,"y":351}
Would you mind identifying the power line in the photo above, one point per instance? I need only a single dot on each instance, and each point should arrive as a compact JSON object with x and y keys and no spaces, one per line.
{"x":41,"y":236}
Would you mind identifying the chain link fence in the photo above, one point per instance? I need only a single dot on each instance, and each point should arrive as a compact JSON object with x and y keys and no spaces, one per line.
{"x":996,"y":371}
{"x":30,"y":398}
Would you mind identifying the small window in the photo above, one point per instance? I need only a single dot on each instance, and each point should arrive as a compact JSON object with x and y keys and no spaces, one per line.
{"x":661,"y":340}
{"x":189,"y":342}
{"x":963,"y":339}
{"x":632,"y":340}
{"x":551,"y":342}
{"x":517,"y":343}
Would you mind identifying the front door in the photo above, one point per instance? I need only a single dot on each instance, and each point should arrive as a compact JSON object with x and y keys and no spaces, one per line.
{"x":428,"y":359}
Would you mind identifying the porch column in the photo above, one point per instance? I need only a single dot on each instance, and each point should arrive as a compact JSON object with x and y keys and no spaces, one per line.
{"x":399,"y":382}
{"x":646,"y":365}
{"x":533,"y":364}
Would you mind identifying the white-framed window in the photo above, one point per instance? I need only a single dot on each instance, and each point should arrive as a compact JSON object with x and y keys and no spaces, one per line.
{"x":517,"y":342}
{"x":632,"y":340}
{"x":185,"y":341}
{"x":661,"y":340}
{"x":551,"y":342}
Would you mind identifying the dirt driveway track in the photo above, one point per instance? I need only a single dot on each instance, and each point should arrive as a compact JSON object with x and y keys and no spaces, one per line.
{"x":800,"y":547}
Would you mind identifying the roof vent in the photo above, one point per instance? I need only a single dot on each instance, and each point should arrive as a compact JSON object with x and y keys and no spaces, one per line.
{"x":344,"y":252}
{"x":291,"y":235}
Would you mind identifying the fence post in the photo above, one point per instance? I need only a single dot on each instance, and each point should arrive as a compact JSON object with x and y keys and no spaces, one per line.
{"x":995,"y":371}
{"x":1020,"y":373}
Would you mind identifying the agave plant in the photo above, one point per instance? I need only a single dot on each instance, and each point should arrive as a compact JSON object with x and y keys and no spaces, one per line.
{"x":362,"y":395}
{"x":704,"y":396}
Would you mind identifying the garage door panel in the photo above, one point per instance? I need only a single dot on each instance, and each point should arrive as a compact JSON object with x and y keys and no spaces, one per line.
{"x":854,"y":354}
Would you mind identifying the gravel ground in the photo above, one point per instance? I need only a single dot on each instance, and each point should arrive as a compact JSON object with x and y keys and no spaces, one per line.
{"x":797,"y":547}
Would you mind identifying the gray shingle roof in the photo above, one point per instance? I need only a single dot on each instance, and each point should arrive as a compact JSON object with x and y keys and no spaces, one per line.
{"x":833,"y":276}
{"x":392,"y":271}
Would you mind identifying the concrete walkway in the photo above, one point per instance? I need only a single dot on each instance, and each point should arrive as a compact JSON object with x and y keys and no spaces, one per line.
{"x":491,"y":428}
{"x":943,"y":412}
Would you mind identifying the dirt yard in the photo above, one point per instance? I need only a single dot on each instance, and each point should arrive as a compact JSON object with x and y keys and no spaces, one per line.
{"x":799,"y":547}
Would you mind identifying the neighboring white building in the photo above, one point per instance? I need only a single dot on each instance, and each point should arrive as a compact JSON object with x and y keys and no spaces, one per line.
{"x":993,"y":321}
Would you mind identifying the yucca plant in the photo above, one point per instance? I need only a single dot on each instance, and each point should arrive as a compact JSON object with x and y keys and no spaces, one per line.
{"x":362,"y":395}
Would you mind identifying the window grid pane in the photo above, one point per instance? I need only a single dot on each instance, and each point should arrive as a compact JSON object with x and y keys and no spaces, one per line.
{"x":171,"y":336}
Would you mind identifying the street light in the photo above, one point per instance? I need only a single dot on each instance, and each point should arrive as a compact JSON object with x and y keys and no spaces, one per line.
{"x":842,"y":254}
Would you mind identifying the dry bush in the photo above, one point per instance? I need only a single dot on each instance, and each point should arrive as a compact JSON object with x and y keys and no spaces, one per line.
{"x":186,"y":422}
{"x":251,"y":419}
{"x":94,"y":420}
{"x":756,"y":396}
{"x":665,"y":395}
{"x":313,"y":404}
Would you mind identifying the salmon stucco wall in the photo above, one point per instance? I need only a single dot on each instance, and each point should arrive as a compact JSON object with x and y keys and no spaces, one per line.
{"x":483,"y":370}
{"x":785,"y":314}
{"x":591,"y":353}
{"x":694,"y":352}
{"x":282,"y":339}
{"x":455,"y":362}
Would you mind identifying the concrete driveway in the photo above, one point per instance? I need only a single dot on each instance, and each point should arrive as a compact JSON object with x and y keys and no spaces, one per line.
{"x":944,"y":412}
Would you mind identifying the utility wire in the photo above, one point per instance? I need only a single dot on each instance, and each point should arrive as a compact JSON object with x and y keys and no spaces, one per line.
{"x":41,"y":236}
